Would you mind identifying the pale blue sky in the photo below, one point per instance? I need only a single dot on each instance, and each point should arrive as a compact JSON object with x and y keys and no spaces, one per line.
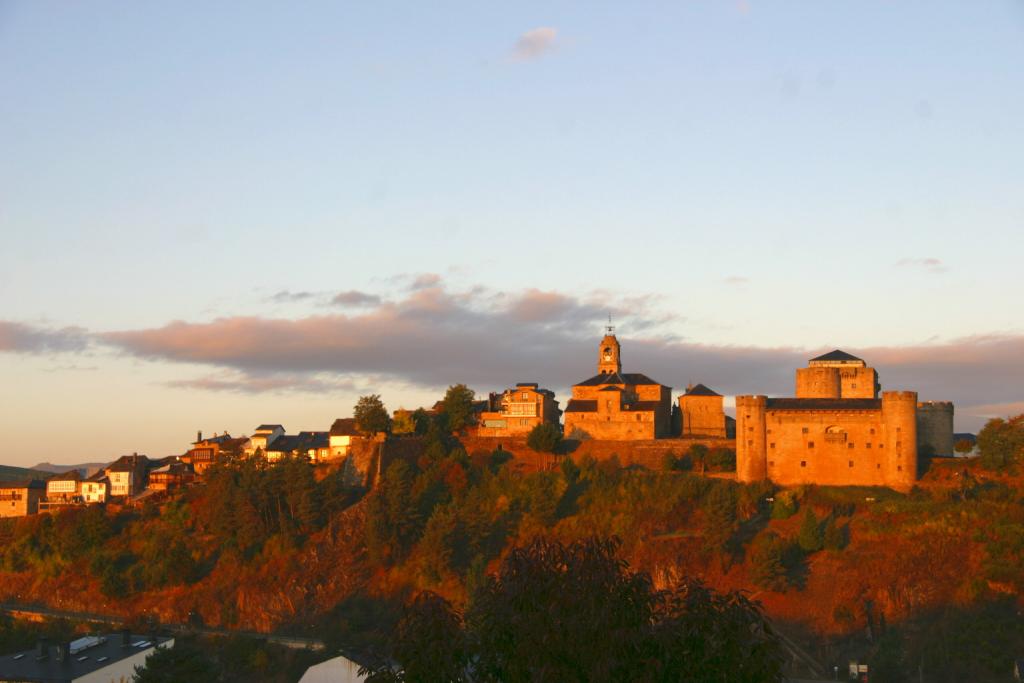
{"x":777,"y":173}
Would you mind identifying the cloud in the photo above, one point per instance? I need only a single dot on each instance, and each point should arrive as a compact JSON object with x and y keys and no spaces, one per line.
{"x":932,"y":265}
{"x":242,"y":383}
{"x":534,"y":44}
{"x":432,"y":336}
{"x":21,"y":338}
{"x":286,"y":297}
{"x":355,"y":298}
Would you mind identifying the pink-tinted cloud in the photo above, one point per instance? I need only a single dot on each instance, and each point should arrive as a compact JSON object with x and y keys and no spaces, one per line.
{"x":355,"y":298}
{"x":22,"y":338}
{"x":535,"y":43}
{"x":931,"y":265}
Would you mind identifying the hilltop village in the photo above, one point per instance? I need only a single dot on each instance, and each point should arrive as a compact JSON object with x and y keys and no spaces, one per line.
{"x":839,"y":429}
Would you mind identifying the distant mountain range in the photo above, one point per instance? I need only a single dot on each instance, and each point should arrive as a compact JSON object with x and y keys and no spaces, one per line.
{"x":8,"y":473}
{"x":88,"y":468}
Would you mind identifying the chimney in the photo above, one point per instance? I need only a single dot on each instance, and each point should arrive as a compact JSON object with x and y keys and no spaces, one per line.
{"x":199,"y":435}
{"x":126,"y":637}
{"x":42,"y":649}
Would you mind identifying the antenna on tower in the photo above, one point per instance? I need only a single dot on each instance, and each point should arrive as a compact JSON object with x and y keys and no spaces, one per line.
{"x":609,"y":328}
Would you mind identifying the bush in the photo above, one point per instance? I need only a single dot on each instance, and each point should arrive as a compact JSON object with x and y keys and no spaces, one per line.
{"x":721,"y":460}
{"x":1001,"y":442}
{"x":785,"y":505}
{"x":810,"y":537}
{"x":544,"y":438}
{"x":768,"y":562}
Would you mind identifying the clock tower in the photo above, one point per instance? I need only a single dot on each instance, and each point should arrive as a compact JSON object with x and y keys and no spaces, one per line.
{"x":608,"y":361}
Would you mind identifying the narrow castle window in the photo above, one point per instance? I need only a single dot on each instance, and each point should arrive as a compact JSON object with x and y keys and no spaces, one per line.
{"x":771,"y":463}
{"x":872,"y":431}
{"x":768,"y":431}
{"x":899,"y":468}
{"x":849,"y":445}
{"x":867,"y":445}
{"x":772,"y":445}
{"x":803,"y":463}
{"x":810,"y":444}
{"x":898,"y":444}
{"x":805,"y":430}
{"x":851,"y":463}
{"x":750,"y":443}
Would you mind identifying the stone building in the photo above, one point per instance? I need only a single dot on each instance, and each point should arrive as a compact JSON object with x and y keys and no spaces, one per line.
{"x":518,"y":410}
{"x":617,"y":406}
{"x":20,"y":498}
{"x":935,"y":428}
{"x":702,"y":413}
{"x":837,"y":431}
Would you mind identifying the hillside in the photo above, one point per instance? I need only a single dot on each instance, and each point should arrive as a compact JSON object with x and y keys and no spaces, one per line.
{"x":290,"y":548}
{"x":8,"y":473}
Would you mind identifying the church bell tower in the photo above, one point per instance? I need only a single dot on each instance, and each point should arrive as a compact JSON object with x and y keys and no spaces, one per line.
{"x":608,"y":361}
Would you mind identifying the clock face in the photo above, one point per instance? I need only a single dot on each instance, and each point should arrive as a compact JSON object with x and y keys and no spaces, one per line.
{"x":607,"y":354}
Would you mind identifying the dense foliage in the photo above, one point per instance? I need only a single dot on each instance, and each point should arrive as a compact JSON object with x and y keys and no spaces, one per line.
{"x":577,"y":612}
{"x":371,"y":416}
{"x":1001,"y":442}
{"x":544,"y":438}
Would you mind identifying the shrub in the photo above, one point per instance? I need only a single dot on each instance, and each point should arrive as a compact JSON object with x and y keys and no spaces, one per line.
{"x":544,"y":438}
{"x":785,"y":505}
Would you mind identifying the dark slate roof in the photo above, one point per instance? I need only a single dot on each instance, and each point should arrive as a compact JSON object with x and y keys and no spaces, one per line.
{"x":70,"y":475}
{"x":126,"y":464}
{"x":286,"y":443}
{"x":344,"y":426}
{"x":23,"y":484}
{"x":824,"y":404}
{"x":634,"y":378}
{"x":581,"y":406}
{"x":48,"y":670}
{"x":836,"y":355}
{"x":314,"y":439}
{"x":701,"y":390}
{"x":268,"y":428}
{"x":99,"y":476}
{"x":528,"y":385}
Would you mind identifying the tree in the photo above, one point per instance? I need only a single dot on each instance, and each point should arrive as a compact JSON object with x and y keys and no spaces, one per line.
{"x":834,"y":537}
{"x":767,"y":562}
{"x":810,"y":536}
{"x":183,"y":662}
{"x":458,"y":407}
{"x":963,"y":447}
{"x":404,"y":422}
{"x":720,"y":509}
{"x":371,"y":415}
{"x":544,"y":438}
{"x":1001,"y":442}
{"x":577,"y":612}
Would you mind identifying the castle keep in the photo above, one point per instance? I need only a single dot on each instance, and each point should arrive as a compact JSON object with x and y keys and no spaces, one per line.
{"x":837,"y":431}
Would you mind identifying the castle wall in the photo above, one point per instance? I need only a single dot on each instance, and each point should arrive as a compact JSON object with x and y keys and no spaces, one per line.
{"x":935,"y":428}
{"x":702,"y":415}
{"x":858,"y":382}
{"x":838,"y":448}
{"x":814,"y":443}
{"x":818,"y":382}
{"x":612,"y":425}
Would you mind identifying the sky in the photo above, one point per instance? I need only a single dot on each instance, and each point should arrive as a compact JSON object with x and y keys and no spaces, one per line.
{"x":215,"y":215}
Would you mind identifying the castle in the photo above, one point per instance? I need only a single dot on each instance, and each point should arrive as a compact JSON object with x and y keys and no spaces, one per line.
{"x":837,"y":431}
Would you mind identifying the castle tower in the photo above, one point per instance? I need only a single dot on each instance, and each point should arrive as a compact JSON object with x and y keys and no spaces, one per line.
{"x":836,"y":374}
{"x":935,"y":428}
{"x":899,"y":415}
{"x":608,"y":359}
{"x":751,"y":451}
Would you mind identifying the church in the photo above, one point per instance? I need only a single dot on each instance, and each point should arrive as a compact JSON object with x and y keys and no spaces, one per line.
{"x":617,"y":406}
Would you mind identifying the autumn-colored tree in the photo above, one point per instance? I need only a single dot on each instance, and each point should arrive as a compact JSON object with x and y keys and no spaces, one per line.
{"x":767,"y":562}
{"x":810,"y":537}
{"x":457,"y":407}
{"x":371,"y":415}
{"x":1001,"y":442}
{"x":544,"y":438}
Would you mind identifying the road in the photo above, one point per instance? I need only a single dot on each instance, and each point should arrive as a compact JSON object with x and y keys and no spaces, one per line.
{"x":34,"y":611}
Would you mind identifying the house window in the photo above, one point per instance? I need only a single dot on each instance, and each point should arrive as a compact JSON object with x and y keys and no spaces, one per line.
{"x":805,"y":430}
{"x":867,"y":445}
{"x":803,"y":463}
{"x":849,"y":445}
{"x":526,"y":396}
{"x":853,"y":386}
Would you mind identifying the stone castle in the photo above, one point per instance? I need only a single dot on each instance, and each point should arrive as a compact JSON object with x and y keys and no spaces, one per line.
{"x":839,"y":429}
